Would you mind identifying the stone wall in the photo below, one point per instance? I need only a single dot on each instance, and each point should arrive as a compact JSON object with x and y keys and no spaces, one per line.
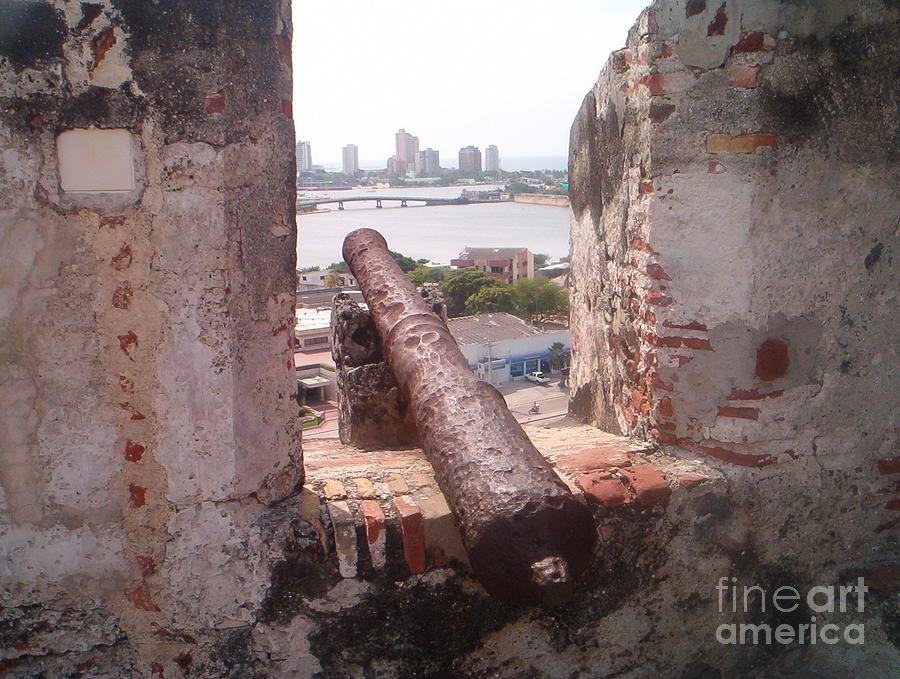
{"x":146,"y":374}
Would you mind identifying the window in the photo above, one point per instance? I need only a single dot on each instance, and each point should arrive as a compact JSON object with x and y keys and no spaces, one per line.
{"x":516,"y":369}
{"x":309,"y":341}
{"x":496,"y":269}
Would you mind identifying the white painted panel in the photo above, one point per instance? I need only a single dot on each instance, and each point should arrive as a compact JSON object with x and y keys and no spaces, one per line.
{"x":95,"y":161}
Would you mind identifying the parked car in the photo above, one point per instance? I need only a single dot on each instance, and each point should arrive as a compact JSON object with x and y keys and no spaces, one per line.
{"x":538,"y":377}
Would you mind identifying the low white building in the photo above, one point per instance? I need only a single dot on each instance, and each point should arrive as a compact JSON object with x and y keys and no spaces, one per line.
{"x":324,"y":278}
{"x":501,"y":347}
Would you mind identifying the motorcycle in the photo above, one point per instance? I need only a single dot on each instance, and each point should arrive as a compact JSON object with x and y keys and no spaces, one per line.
{"x":534,"y":409}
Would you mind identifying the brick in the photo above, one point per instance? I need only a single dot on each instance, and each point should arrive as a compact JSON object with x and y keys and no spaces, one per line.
{"x":121,"y":298}
{"x":741,"y":143}
{"x":671,"y":342}
{"x":754,"y":42}
{"x":127,"y":341}
{"x":642,"y":245}
{"x":375,"y":533}
{"x":311,"y":512}
{"x":689,"y":480}
{"x":648,"y":484}
{"x":660,"y":112}
{"x":137,"y":495}
{"x":122,"y":261}
{"x":344,"y":537}
{"x":772,"y":360}
{"x":889,"y":466}
{"x":412,"y":526}
{"x":604,"y":489}
{"x":655,"y":271}
{"x":287,"y":108}
{"x":715,"y":167}
{"x":664,"y":437}
{"x":752,"y":394}
{"x":594,"y":459}
{"x":691,"y":325}
{"x":665,"y":407}
{"x":893,"y":505}
{"x":720,"y":20}
{"x":657,"y":298}
{"x":728,"y":455}
{"x":621,"y":60}
{"x":141,"y":599}
{"x":133,"y":451}
{"x":333,"y":489}
{"x":740,"y":413}
{"x":743,"y":76}
{"x":698,"y":343}
{"x":645,"y":188}
{"x":283,"y":47}
{"x":443,"y":541}
{"x":364,"y":487}
{"x":215,"y":103}
{"x":666,"y":83}
{"x":397,"y":485}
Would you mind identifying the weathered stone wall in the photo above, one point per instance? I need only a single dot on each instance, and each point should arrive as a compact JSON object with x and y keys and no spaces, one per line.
{"x":146,"y":417}
{"x":734,"y":202}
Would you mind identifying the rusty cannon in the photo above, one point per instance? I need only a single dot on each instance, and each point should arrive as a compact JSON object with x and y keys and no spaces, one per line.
{"x":528,"y":538}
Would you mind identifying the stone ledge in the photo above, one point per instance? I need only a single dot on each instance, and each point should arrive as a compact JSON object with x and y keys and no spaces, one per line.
{"x":404,"y":526}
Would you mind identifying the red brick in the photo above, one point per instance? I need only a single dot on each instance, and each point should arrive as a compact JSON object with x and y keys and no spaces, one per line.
{"x":122,"y":260}
{"x":412,"y":526}
{"x":893,"y":505}
{"x":682,"y":360}
{"x":743,"y":76}
{"x":146,"y":565}
{"x":657,"y":298}
{"x":889,"y":466}
{"x":664,"y":437}
{"x":645,"y":188}
{"x":655,"y":271}
{"x":772,"y":360}
{"x":642,"y":245}
{"x":287,"y":108}
{"x":701,"y":344}
{"x":112,"y":221}
{"x":690,"y":480}
{"x":666,"y":426}
{"x":637,"y":397}
{"x":754,"y":42}
{"x":632,"y":417}
{"x":121,"y":298}
{"x":691,"y":325}
{"x":604,"y":489}
{"x":741,"y":413}
{"x":215,"y":103}
{"x":655,"y":380}
{"x":752,"y":394}
{"x":133,"y":451}
{"x":671,"y":342}
{"x":141,"y":599}
{"x":100,"y":45}
{"x":727,"y":455}
{"x":138,"y":495}
{"x":648,"y":484}
{"x":156,"y":668}
{"x":717,"y":25}
{"x":665,"y":407}
{"x":35,"y":121}
{"x":374,"y":519}
{"x":715,"y":167}
{"x":126,"y":341}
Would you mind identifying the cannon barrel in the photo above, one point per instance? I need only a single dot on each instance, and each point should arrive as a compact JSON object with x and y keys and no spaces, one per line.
{"x":528,"y":538}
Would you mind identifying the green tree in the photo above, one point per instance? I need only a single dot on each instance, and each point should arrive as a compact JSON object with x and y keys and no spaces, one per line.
{"x":426,"y":274}
{"x":538,"y":298}
{"x":496,"y":296}
{"x":540,"y":259}
{"x":340,"y":267}
{"x":405,"y":263}
{"x":332,"y":280}
{"x":520,"y":187}
{"x":460,"y":285}
{"x":558,"y":355}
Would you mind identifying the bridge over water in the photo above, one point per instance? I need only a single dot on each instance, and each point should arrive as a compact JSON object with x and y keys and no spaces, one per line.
{"x":313,"y":204}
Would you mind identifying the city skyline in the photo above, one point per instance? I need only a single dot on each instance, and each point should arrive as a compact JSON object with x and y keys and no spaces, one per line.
{"x":519,"y":90}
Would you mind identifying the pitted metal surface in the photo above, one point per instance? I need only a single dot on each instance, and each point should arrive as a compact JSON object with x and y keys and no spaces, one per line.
{"x":517,"y":518}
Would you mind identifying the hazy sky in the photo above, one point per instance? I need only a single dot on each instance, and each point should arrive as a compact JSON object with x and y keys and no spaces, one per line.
{"x":455,"y":72}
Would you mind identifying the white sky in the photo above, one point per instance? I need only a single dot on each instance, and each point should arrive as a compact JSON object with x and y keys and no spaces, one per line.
{"x":456,"y":72}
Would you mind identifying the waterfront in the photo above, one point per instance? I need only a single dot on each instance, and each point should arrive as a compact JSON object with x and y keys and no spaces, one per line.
{"x":437,"y":232}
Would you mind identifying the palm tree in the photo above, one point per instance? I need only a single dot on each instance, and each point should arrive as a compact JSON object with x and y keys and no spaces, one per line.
{"x":557,"y":355}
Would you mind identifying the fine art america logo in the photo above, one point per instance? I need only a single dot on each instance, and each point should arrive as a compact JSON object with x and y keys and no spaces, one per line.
{"x":755,"y":601}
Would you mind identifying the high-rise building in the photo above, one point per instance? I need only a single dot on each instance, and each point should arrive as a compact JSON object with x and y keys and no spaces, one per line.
{"x":351,"y":159}
{"x":470,"y":159}
{"x":429,"y":162}
{"x":491,"y":159}
{"x":407,"y":147}
{"x":304,"y":156}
